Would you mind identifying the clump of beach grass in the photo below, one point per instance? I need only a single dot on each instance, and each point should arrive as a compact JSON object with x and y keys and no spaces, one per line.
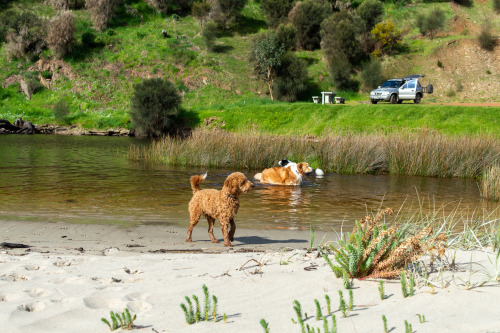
{"x":124,"y":321}
{"x":194,"y":314}
{"x":422,"y":153}
{"x":374,"y":250}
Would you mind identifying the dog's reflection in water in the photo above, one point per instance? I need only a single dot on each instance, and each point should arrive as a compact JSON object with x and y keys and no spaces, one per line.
{"x":291,"y":196}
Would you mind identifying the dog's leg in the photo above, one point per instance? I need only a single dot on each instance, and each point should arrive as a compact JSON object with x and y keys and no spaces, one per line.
{"x":211,"y":222}
{"x":225,"y":234}
{"x":232,"y":230}
{"x":193,"y":220}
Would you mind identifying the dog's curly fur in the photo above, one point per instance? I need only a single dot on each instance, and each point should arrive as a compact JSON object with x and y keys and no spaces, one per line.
{"x":214,"y":204}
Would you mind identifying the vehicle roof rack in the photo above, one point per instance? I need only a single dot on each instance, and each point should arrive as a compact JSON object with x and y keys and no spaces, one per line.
{"x":413,"y":77}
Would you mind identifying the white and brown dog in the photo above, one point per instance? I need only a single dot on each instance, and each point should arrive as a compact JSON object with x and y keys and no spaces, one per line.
{"x":289,"y":174}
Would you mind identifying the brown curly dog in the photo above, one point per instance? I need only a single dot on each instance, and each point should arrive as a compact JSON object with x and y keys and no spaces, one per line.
{"x":214,"y":204}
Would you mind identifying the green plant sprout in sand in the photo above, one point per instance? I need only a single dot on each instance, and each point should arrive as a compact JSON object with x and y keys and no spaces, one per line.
{"x":342,"y":306}
{"x":381,"y":289}
{"x":194,"y":315}
{"x":265,"y":325}
{"x":404,"y":286}
{"x":385,"y":323}
{"x":421,"y":318}
{"x":125,"y":321}
{"x":298,"y":310}
{"x":408,"y":328}
{"x":319,"y":315}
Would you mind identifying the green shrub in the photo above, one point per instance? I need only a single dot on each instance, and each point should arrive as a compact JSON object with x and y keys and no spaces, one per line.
{"x":291,"y":78}
{"x":287,"y":35}
{"x":225,"y":12}
{"x":307,"y":17}
{"x":209,"y":35}
{"x":154,"y":106}
{"x":276,"y":11}
{"x":200,"y":11}
{"x":439,"y":64}
{"x":429,"y":23}
{"x":26,"y":35}
{"x":371,"y":12}
{"x":371,"y":75}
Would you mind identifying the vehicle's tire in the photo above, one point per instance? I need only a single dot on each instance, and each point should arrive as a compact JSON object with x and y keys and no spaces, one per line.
{"x":394,"y":99}
{"x":374,"y":102}
{"x":417,"y":98}
{"x":400,"y":101}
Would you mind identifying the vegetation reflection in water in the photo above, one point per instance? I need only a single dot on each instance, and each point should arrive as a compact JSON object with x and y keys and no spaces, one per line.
{"x":89,"y":180}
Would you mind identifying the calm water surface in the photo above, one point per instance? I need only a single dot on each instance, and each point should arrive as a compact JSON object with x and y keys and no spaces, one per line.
{"x":88,"y":180}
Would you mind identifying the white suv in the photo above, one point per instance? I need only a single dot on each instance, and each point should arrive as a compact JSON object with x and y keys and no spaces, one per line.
{"x":398,"y":90}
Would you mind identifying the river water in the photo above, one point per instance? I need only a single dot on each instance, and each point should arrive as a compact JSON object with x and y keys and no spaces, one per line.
{"x":82,"y":179}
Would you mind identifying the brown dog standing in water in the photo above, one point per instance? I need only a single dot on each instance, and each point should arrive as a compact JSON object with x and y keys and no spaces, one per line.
{"x":222,"y":205}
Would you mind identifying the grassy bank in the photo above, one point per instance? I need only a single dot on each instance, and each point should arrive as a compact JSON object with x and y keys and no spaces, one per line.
{"x":314,"y":119}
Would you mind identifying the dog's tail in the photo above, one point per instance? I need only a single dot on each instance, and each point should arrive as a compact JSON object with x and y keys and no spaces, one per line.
{"x":196,"y":180}
{"x":258,"y":176}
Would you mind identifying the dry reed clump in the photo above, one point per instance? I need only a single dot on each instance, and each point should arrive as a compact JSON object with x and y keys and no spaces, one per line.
{"x":422,"y":154}
{"x":374,"y":251}
{"x":61,"y":35}
{"x":490,"y":188}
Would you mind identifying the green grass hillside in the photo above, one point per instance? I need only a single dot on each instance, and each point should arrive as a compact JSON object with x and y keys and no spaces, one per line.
{"x":97,"y":80}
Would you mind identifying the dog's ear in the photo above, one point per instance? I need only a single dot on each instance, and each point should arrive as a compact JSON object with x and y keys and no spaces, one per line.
{"x":232,"y":184}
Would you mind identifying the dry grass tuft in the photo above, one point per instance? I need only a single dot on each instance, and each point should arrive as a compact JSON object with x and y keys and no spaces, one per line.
{"x":491,"y":183}
{"x":375,"y":251}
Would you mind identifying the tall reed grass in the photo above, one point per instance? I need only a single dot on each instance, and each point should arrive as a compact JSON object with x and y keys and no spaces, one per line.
{"x":491,"y":183}
{"x":422,"y":154}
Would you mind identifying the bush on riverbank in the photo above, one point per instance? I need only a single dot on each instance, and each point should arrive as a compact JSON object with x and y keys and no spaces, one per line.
{"x":417,"y":154}
{"x":155,"y":105}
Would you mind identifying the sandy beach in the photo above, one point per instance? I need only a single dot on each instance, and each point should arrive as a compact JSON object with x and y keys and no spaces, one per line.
{"x":73,"y":275}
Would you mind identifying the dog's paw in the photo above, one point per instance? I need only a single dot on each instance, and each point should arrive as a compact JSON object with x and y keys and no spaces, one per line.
{"x":215,"y":241}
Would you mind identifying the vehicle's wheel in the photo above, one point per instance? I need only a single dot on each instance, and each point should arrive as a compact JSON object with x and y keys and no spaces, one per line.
{"x":394,"y":99}
{"x":374,"y":102}
{"x":417,"y":98}
{"x":400,"y":101}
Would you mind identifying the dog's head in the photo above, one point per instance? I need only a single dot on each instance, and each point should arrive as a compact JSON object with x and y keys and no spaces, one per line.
{"x":304,"y":168}
{"x":236,"y":183}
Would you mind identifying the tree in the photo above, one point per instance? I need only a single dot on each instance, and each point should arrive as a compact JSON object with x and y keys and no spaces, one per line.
{"x":307,"y":17}
{"x":61,"y":35}
{"x":287,"y":35}
{"x":154,"y":106}
{"x":276,"y":11}
{"x":386,"y":35}
{"x":200,"y":11}
{"x":341,"y":33}
{"x":291,"y":78}
{"x":486,"y":39}
{"x":371,"y":75}
{"x":266,"y":55}
{"x":371,"y":12}
{"x":340,"y":70}
{"x":225,"y":12}
{"x":101,"y":12}
{"x":429,"y":23}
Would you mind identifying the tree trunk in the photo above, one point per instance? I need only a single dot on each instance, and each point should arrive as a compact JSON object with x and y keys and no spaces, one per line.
{"x":270,"y":82}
